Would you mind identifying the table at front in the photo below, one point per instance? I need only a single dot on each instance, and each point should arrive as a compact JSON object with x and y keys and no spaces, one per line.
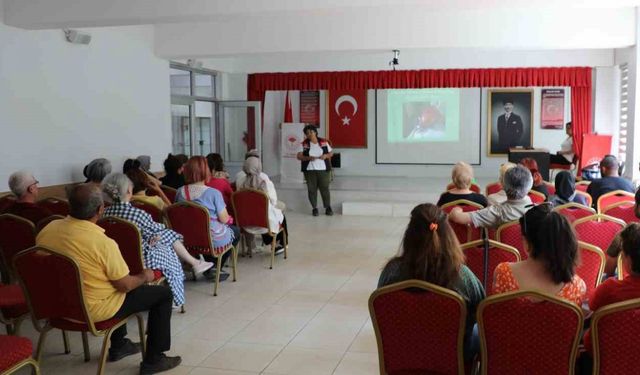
{"x":540,"y":155}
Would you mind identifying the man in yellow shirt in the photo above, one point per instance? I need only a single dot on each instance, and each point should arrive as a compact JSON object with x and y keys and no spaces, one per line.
{"x":109,"y":290}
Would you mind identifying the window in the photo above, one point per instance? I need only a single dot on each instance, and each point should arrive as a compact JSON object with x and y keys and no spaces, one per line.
{"x":624,"y":112}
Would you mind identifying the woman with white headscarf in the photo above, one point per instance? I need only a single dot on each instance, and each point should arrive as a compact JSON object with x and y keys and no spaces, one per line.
{"x":253,"y":168}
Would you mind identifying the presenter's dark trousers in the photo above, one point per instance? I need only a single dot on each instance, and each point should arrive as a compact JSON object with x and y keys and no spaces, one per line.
{"x":157,"y":299}
{"x":318,"y":180}
{"x":558,"y":159}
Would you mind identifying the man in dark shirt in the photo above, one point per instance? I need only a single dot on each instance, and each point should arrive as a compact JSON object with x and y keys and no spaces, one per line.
{"x":25,"y":187}
{"x":610,"y":180}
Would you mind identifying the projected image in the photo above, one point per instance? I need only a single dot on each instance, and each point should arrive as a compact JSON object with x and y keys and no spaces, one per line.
{"x":424,"y":121}
{"x":426,"y":115}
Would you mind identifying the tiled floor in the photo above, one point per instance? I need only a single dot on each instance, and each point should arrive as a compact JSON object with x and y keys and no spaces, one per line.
{"x":307,"y":316}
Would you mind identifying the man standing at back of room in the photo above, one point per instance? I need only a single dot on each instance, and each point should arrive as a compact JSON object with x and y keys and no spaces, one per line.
{"x":610,"y":180}
{"x":509,"y":127}
{"x":109,"y":290}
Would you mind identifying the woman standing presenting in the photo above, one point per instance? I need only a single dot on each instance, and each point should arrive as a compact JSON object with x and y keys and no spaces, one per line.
{"x":315,"y":155}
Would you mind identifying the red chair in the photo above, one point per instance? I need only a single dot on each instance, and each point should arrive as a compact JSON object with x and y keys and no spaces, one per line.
{"x":599,"y":230}
{"x":474,"y":187}
{"x":493,"y":188}
{"x":56,"y":206}
{"x":16,"y":234}
{"x":614,"y":331}
{"x":574,"y":211}
{"x":536,"y":197}
{"x":551,"y":188}
{"x":6,"y":201}
{"x":582,"y":185}
{"x":511,"y":234}
{"x":498,"y":253}
{"x":44,"y":222}
{"x":16,"y":354}
{"x":252,"y":215}
{"x":606,"y":200}
{"x":528,"y":332}
{"x":53,"y":286}
{"x":591,"y":265}
{"x":465,"y":233}
{"x":586,"y":196}
{"x":167,"y":190}
{"x":419,"y":328}
{"x":624,"y":211}
{"x":13,"y":307}
{"x":154,"y":211}
{"x":193,"y":222}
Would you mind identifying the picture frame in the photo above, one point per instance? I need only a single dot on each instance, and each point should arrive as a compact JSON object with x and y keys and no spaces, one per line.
{"x":512,"y":130}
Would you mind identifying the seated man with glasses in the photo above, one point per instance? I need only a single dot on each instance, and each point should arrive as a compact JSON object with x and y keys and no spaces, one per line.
{"x":25,"y":187}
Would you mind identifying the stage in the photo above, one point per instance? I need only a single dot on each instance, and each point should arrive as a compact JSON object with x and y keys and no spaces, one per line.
{"x":369,"y":196}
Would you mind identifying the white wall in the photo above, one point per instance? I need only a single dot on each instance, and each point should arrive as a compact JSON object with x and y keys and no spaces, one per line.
{"x":62,"y":104}
{"x":607,"y":104}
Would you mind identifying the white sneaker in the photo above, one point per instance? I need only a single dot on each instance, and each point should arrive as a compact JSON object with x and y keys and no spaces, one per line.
{"x":201,"y":267}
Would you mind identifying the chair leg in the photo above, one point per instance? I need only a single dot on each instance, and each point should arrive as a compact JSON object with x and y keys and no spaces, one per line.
{"x":141,"y":329}
{"x":41,"y":339}
{"x":234,"y":257}
{"x":285,"y":238}
{"x":35,"y":368}
{"x":182,"y":310}
{"x":9,"y":329}
{"x":103,"y":352}
{"x":85,"y":347}
{"x":273,"y":251}
{"x":218,"y":270}
{"x":65,"y":340}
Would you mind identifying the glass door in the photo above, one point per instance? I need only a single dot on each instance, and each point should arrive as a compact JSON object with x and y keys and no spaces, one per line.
{"x":239,"y":130}
{"x":181,"y":129}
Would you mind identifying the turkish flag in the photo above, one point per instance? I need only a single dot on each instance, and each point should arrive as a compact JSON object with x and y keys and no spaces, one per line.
{"x":347,"y":118}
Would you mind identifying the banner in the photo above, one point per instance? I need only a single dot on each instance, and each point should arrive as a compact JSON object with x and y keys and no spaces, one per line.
{"x":310,"y":107}
{"x":291,"y":137}
{"x":552,"y":109}
{"x":347,"y":118}
{"x":594,"y":148}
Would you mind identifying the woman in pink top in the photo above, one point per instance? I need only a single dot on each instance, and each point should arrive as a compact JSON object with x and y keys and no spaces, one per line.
{"x":553,"y":251}
{"x":219,"y":178}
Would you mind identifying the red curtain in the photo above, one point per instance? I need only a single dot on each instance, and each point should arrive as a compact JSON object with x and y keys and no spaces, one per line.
{"x":578,"y":78}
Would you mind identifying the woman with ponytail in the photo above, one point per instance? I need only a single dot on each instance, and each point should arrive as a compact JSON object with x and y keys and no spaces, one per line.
{"x":161,"y":246}
{"x":430,"y":252}
{"x":553,"y":254}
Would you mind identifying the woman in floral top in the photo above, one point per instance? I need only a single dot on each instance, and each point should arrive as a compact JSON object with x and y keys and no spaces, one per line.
{"x":553,"y":251}
{"x":161,"y":246}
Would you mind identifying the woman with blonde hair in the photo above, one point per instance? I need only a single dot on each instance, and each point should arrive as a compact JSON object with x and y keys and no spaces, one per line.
{"x":462,"y":177}
{"x":430,"y":252}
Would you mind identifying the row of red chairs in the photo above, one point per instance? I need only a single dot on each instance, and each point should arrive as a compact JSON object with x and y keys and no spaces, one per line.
{"x":420,"y":328}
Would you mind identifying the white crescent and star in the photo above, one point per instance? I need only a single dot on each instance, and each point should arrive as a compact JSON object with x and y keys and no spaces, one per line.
{"x":346,"y":98}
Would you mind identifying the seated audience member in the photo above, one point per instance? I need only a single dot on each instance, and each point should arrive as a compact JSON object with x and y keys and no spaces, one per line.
{"x":501,"y":196}
{"x":173,"y":172}
{"x":610,"y":180}
{"x":183,"y":158}
{"x":219,"y":178}
{"x":97,"y":170}
{"x":615,"y":248}
{"x":551,"y":265}
{"x":130,"y":164}
{"x":613,"y":290}
{"x":145,"y":164}
{"x":25,"y":187}
{"x":253,"y":169}
{"x":161,"y":246}
{"x":566,"y":190}
{"x":196,"y":173}
{"x":462,"y":177}
{"x":109,"y":289}
{"x":538,"y":182}
{"x":142,"y":182}
{"x":516,"y":183}
{"x":240,"y":176}
{"x":430,"y":252}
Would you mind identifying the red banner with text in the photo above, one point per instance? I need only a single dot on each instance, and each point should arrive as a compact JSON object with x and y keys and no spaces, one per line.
{"x":552,"y":109}
{"x":310,"y":107}
{"x":347,"y":115}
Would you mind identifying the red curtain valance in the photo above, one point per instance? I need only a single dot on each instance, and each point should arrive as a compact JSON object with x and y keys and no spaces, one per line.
{"x":578,"y":78}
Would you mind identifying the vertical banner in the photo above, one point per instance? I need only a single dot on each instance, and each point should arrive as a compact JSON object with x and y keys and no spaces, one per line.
{"x":310,"y":107}
{"x":291,"y":137}
{"x":347,"y":118}
{"x":552,"y":108}
{"x":594,"y":148}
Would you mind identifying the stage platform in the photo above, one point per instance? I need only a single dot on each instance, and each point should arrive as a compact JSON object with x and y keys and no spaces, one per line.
{"x":369,"y":196}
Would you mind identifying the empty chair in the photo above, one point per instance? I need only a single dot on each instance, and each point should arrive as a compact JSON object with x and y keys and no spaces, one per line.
{"x":590,"y":266}
{"x":464,"y":233}
{"x":511,"y":234}
{"x":16,"y":234}
{"x":498,"y":253}
{"x":614,"y":331}
{"x":586,"y":196}
{"x":419,"y":328}
{"x":528,"y":332}
{"x":605,"y":200}
{"x":251,"y":208}
{"x":574,"y":211}
{"x":624,"y":211}
{"x":598,"y":230}
{"x":16,"y":354}
{"x":57,"y":206}
{"x":6,"y":201}
{"x":61,"y":304}
{"x":13,"y":308}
